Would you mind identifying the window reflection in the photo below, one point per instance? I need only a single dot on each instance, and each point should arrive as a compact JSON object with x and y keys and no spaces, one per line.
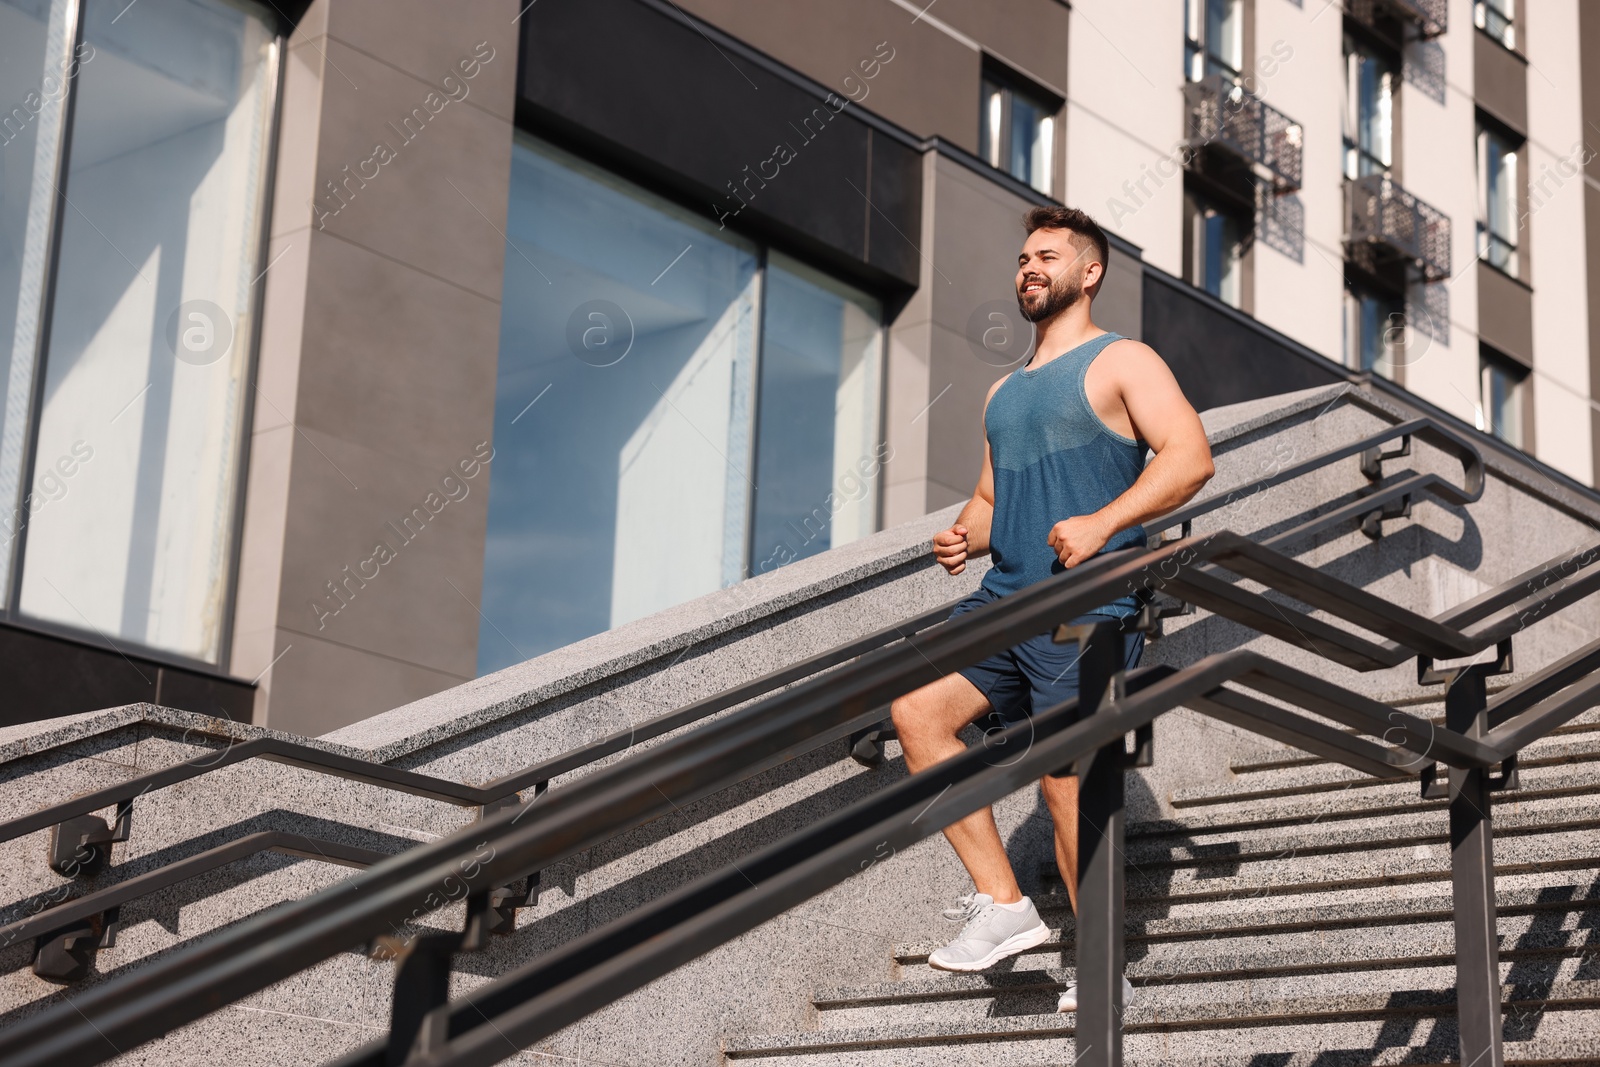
{"x":818,"y":452}
{"x":625,"y":473}
{"x":143,"y":399}
{"x":35,"y":69}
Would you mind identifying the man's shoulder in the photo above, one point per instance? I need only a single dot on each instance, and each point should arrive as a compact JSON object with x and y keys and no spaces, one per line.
{"x":1128,"y":348}
{"x":1128,"y":359}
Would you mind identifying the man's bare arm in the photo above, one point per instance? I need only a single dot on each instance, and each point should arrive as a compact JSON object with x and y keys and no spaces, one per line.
{"x":1165,"y":420}
{"x":970,"y":534}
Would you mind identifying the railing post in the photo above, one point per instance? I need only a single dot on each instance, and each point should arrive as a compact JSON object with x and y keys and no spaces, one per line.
{"x":1478,"y":1015}
{"x":1098,"y":1033}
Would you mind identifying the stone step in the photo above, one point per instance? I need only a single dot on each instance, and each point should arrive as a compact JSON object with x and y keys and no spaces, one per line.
{"x":1172,"y":978}
{"x":1421,"y":821}
{"x":1151,"y":931}
{"x":1577,"y":1050}
{"x":1545,"y":765}
{"x":1557,"y":788}
{"x":1559,"y":1016}
{"x":1425,"y":830}
{"x":1586,"y":724}
{"x":1177,"y":986}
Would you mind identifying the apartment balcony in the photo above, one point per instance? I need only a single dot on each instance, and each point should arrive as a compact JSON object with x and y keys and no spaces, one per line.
{"x":1388,"y":223}
{"x":1222,"y":116}
{"x":1430,"y":17}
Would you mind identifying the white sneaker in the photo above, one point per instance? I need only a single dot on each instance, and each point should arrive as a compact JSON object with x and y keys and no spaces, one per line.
{"x":1069,"y":999}
{"x":990,"y":935}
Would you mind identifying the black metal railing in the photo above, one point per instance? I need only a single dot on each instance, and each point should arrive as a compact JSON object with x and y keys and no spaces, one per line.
{"x":564,"y":985}
{"x":1430,"y":17}
{"x":1398,"y":19}
{"x":1221,"y":113}
{"x":81,"y":841}
{"x":1384,"y":214}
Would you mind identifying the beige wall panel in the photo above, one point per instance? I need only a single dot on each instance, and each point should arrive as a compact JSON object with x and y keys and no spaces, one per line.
{"x":377,"y":365}
{"x":1438,"y":143}
{"x":1125,"y":122}
{"x":322,"y":685}
{"x":1299,"y":250}
{"x":1556,"y":153}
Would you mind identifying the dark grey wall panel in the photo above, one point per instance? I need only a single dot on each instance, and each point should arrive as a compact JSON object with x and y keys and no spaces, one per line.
{"x":1500,"y":82}
{"x":1505,"y":313}
{"x":732,"y":134}
{"x":1220,"y":357}
{"x":48,"y":676}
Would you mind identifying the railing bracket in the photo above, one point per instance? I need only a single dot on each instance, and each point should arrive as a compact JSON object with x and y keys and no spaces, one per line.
{"x":81,"y":846}
{"x":502,"y":902}
{"x":68,"y":955}
{"x":1372,"y":521}
{"x":1373,"y":458}
{"x":1503,"y":663}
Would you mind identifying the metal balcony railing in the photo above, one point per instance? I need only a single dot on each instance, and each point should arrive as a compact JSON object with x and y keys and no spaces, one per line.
{"x":1430,"y":17}
{"x":1384,"y":214}
{"x":1221,"y":114}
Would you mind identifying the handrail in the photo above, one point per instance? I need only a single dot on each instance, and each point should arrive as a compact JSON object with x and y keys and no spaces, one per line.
{"x":1424,"y":427}
{"x":54,"y":919}
{"x":597,"y":968}
{"x":381,"y":774}
{"x":538,"y":774}
{"x":653,"y":782}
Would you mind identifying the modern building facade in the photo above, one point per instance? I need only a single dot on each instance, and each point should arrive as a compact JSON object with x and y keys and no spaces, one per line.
{"x":361,"y":349}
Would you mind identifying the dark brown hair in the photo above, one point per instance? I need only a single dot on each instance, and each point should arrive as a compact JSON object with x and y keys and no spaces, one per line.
{"x":1055,"y":217}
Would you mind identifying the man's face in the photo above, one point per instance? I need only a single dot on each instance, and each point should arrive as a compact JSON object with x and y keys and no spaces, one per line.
{"x":1050,"y":273}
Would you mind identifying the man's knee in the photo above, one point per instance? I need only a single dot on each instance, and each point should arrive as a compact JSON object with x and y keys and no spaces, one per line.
{"x":903,"y":712}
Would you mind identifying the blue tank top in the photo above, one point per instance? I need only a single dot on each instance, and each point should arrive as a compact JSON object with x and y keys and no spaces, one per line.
{"x":1053,"y":458}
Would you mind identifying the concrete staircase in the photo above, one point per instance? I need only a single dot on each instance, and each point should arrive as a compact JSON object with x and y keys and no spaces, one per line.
{"x":1297,"y":914}
{"x":1260,"y":880}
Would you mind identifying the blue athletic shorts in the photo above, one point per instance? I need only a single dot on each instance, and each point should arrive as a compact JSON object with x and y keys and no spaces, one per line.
{"x":1038,"y":674}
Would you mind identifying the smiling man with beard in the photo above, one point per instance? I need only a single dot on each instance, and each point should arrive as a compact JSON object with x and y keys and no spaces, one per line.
{"x":1064,"y":478}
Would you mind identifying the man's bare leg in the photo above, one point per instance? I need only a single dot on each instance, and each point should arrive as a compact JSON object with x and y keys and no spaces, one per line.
{"x":928,"y":720}
{"x":1061,"y":797}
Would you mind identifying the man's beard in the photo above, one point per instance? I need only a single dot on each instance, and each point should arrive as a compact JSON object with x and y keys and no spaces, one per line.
{"x":1060,"y":294}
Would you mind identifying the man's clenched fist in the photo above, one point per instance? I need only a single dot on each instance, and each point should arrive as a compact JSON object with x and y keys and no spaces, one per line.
{"x":1078,"y":538}
{"x":950,"y":549}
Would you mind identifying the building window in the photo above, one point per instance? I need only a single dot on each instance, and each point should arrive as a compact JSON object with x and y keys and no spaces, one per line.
{"x":1370,"y":82}
{"x":1374,"y":330}
{"x":124,"y":516}
{"x":1498,"y":198}
{"x":1213,"y":39}
{"x":676,"y":408}
{"x":1497,"y":18}
{"x":1501,"y":384}
{"x":1214,"y":246}
{"x":1017,"y":131}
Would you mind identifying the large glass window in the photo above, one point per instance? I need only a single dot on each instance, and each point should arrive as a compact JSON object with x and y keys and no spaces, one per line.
{"x":1017,"y":132}
{"x":1214,"y":246}
{"x":136,"y":452}
{"x":1213,"y":39}
{"x":1498,"y":198}
{"x":1497,"y":18}
{"x":818,"y":416}
{"x":1374,"y":330}
{"x":1370,"y":82}
{"x":1501,"y":399}
{"x":36,"y":67}
{"x":638,"y":463}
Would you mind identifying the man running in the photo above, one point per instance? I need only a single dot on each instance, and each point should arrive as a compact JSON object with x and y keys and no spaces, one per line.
{"x":1064,"y":479}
